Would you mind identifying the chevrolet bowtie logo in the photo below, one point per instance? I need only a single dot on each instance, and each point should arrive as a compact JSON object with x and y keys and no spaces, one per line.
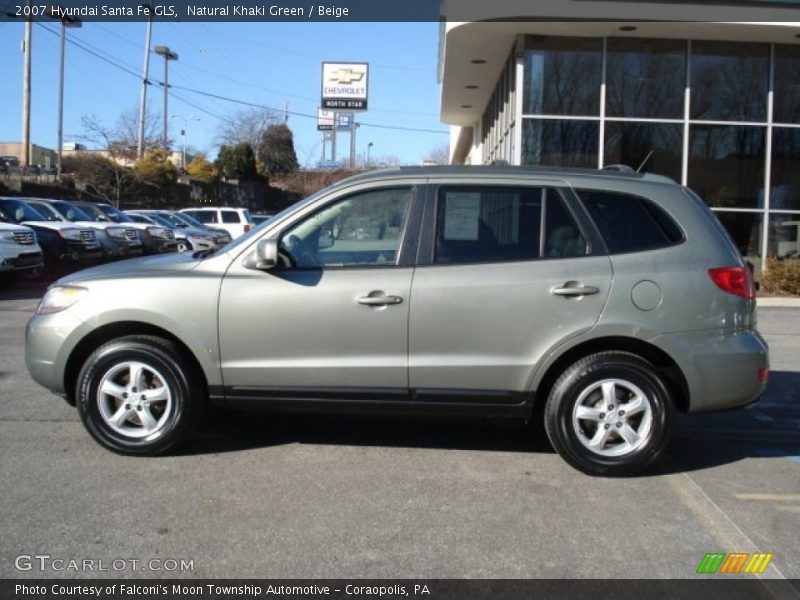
{"x":346,"y":76}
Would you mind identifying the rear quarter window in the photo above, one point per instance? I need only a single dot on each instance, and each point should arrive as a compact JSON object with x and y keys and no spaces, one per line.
{"x":630,"y":223}
{"x":230,"y":216}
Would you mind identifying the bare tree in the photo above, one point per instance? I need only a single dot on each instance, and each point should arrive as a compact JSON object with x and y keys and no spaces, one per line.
{"x":248,"y":126}
{"x":121,"y":140}
{"x":440,"y":154}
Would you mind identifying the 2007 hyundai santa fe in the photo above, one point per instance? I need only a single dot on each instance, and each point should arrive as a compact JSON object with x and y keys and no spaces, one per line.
{"x":611,"y":300}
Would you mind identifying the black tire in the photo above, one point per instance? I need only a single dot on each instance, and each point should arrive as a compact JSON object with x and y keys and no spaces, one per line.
{"x":583,"y":376}
{"x":179,"y":375}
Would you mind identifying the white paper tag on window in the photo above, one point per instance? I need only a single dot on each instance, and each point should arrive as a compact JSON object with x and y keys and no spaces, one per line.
{"x":461,"y":216}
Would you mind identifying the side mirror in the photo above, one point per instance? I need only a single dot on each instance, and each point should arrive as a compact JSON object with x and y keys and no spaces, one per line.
{"x":264,"y":257}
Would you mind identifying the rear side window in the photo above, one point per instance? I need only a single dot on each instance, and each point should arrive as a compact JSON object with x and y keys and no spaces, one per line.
{"x":630,"y":223}
{"x":230,"y":216}
{"x":205,"y":216}
{"x":499,"y":224}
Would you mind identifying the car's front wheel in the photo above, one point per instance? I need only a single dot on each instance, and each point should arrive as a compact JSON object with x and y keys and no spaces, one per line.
{"x":184,"y":246}
{"x":139,"y":395}
{"x":609,"y":414}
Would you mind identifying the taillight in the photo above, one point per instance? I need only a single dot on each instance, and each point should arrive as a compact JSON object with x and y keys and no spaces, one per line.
{"x":737,"y":281}
{"x":246,"y":228}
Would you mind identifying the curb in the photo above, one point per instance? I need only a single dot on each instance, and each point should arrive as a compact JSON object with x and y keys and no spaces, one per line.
{"x":775,"y":302}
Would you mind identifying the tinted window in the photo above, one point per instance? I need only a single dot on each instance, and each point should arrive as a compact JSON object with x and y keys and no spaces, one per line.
{"x":562,"y":76}
{"x":552,"y":142}
{"x":655,"y":147}
{"x":630,"y":223}
{"x":787,"y":84}
{"x":72,"y":212}
{"x":139,"y":219}
{"x":113,"y":213}
{"x":363,"y":229}
{"x":205,"y":216}
{"x":646,"y":78}
{"x":483,"y":224}
{"x":230,"y":216}
{"x":19,"y":211}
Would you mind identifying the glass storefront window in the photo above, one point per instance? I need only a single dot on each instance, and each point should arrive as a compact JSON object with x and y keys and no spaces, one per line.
{"x":563,"y":143}
{"x":657,"y":147}
{"x":729,"y":81}
{"x":785,"y":180}
{"x":726,"y":165}
{"x":787,"y":84}
{"x":745,"y":229}
{"x":783,"y":241}
{"x":562,"y":76}
{"x":645,"y":78}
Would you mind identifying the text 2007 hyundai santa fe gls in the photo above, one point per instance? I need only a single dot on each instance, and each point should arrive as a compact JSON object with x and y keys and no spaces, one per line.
{"x":614,"y":300}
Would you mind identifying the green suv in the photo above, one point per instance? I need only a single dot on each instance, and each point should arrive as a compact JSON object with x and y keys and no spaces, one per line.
{"x":609,"y":301}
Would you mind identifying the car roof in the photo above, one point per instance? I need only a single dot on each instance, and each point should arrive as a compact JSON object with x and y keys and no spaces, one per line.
{"x":496,"y":171}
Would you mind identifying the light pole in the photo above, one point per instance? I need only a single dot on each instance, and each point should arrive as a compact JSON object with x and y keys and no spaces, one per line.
{"x":183,"y":134}
{"x":65,"y":22}
{"x":145,"y":82}
{"x":369,"y":147}
{"x":26,"y":91}
{"x":168,"y":56}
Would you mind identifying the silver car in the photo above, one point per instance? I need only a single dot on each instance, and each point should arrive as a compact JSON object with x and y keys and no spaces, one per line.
{"x":602,"y":302}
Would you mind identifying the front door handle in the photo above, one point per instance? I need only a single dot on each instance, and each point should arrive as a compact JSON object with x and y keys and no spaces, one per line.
{"x":379,"y":299}
{"x":573,"y":288}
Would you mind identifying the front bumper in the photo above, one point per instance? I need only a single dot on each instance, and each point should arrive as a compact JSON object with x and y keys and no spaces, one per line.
{"x":27,"y":260}
{"x":81,"y":252}
{"x":721,"y":367}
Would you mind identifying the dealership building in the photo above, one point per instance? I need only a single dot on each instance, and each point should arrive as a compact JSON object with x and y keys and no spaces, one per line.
{"x":713,"y":103}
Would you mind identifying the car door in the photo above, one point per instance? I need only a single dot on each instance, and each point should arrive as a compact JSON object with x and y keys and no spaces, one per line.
{"x":506,"y":273}
{"x":330,"y":322}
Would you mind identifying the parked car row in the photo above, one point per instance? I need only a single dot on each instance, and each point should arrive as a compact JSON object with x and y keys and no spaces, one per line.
{"x":43,"y":237}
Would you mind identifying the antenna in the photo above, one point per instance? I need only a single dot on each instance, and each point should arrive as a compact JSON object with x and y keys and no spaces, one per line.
{"x":644,"y":162}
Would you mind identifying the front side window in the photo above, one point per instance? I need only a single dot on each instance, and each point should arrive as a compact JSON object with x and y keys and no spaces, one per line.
{"x":205,"y":216}
{"x":499,"y":224}
{"x":365,"y":229}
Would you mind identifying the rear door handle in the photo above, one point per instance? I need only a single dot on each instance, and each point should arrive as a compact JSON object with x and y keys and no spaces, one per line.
{"x":574,"y":290}
{"x":379,"y":299}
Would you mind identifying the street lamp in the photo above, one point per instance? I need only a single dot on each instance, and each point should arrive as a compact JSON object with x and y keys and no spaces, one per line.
{"x":369,"y":147}
{"x":168,"y":56}
{"x":71,"y":22}
{"x":183,"y":134}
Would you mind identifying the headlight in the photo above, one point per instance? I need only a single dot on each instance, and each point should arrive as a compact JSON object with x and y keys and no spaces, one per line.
{"x":70,"y":234}
{"x":156,"y":231}
{"x":59,"y":298}
{"x":116,"y":232}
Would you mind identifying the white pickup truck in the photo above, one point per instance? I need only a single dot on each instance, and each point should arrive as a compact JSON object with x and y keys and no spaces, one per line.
{"x":19,"y":250}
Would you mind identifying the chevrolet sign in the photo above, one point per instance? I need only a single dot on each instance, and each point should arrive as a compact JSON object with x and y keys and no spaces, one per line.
{"x":345,"y":85}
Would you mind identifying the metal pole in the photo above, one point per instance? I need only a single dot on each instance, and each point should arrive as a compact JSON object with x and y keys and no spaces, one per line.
{"x":353,"y":127}
{"x":26,"y":91}
{"x":61,"y":99}
{"x":143,"y":99}
{"x":369,"y":147}
{"x":183,"y":163}
{"x":166,"y":97}
{"x":333,"y":137}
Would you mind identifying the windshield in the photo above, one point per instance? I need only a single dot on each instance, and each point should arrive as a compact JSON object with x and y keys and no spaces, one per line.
{"x":94,"y":213}
{"x":175,"y":219}
{"x":114,"y":214}
{"x":48,"y":211}
{"x":71,"y":212}
{"x":161,"y":220}
{"x":19,"y":211}
{"x":190,"y":220}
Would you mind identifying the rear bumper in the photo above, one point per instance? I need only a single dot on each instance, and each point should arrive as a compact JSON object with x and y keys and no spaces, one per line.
{"x":721,"y":367}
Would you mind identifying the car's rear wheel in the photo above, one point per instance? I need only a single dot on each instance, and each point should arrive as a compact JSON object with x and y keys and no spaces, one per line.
{"x":609,"y":414}
{"x":139,"y":395}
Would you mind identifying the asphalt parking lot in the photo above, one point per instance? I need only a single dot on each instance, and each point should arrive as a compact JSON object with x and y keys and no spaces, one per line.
{"x":265,"y":496}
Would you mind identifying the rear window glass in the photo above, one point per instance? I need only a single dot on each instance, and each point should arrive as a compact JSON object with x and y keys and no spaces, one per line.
{"x":630,"y":223}
{"x":230,"y":216}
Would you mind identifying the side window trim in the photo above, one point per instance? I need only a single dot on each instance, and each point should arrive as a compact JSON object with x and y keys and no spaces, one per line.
{"x":409,"y":238}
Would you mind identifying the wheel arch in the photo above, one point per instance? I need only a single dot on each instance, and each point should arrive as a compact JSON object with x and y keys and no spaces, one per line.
{"x":672,"y":373}
{"x":110,"y":331}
